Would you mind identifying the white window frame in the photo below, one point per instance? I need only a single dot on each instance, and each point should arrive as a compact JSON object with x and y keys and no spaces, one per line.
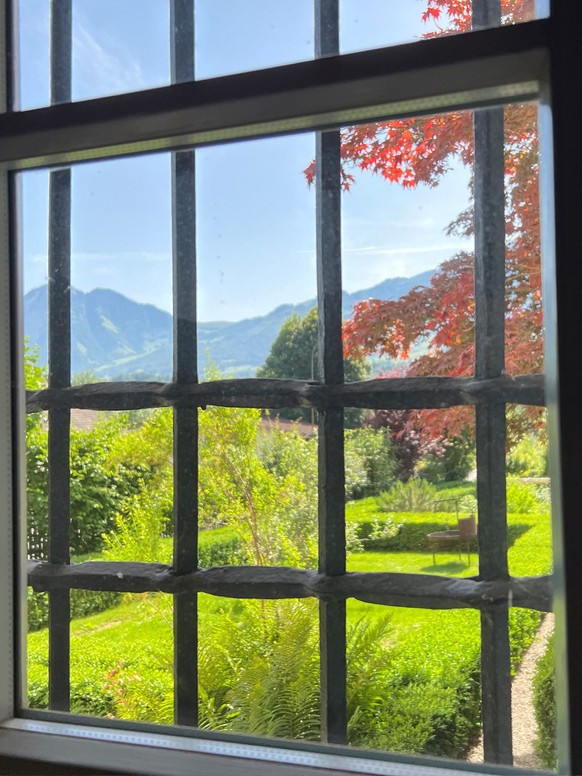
{"x":518,"y":63}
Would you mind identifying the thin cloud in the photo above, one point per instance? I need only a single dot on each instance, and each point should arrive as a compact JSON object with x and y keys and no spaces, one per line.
{"x":103,"y":68}
{"x":379,"y":250}
{"x":150,"y":257}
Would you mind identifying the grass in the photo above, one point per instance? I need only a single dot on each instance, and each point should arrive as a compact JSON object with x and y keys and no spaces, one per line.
{"x":132,"y":642}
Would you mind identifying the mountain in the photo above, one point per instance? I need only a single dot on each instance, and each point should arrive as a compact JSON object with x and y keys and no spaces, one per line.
{"x":116,"y":338}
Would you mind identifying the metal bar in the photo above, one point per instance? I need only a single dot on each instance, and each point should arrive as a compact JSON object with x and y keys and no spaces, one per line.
{"x":490,"y":423}
{"x":185,"y":372}
{"x":394,"y":393}
{"x":426,"y":591}
{"x":59,"y":366}
{"x":474,"y":69}
{"x":331,"y":485}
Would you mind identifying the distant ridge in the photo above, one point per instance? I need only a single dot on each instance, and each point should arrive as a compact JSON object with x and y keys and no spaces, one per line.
{"x":116,"y":338}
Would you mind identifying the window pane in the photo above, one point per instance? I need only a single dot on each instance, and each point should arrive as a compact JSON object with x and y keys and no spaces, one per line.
{"x":367,"y":24}
{"x":121,"y":244}
{"x":259,"y":667}
{"x":125,"y":47}
{"x":266,"y":485}
{"x":408,"y":246}
{"x":411,"y":490}
{"x":232,"y":37}
{"x":256,"y":259}
{"x":257,"y":488}
{"x":121,"y":658}
{"x":116,"y":47}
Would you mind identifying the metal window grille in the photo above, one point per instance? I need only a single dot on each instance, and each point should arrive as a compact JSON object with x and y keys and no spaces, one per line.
{"x":489,"y":391}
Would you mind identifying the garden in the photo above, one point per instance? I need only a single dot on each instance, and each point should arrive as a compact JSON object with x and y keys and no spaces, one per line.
{"x":413,"y":674}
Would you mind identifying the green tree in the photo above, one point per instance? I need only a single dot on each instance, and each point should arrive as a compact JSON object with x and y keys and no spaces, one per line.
{"x":293,"y":355}
{"x":269,"y":505}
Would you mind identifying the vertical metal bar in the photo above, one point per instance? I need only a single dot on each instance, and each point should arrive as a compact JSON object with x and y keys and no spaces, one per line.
{"x":561,"y":236}
{"x":59,"y":366}
{"x":185,"y":371}
{"x":490,"y":422}
{"x":332,"y":548}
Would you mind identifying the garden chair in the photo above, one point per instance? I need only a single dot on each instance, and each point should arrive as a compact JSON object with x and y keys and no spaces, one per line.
{"x":460,"y":537}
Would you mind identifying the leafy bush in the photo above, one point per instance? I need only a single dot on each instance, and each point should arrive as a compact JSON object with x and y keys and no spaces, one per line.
{"x":99,"y":486}
{"x":545,"y":707}
{"x":416,"y":495}
{"x":452,"y":459}
{"x":529,"y":457}
{"x":374,"y":449}
{"x":379,"y":534}
{"x":521,"y":497}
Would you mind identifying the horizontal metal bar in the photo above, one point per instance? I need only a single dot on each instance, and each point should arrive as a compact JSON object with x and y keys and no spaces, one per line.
{"x":471,"y":70}
{"x":390,"y":589}
{"x":390,"y":393}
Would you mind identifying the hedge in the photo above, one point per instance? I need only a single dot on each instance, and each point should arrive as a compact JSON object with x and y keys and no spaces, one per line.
{"x":545,"y":707}
{"x":83,"y":603}
{"x":218,"y":547}
{"x":403,"y":531}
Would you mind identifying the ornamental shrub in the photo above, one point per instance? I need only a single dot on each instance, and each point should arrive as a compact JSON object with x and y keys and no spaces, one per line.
{"x":415,"y":495}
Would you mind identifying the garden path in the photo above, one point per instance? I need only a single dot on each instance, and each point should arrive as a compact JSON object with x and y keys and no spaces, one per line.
{"x":524,"y":722}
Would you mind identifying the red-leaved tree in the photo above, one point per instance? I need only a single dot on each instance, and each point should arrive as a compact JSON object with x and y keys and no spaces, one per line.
{"x":416,"y":151}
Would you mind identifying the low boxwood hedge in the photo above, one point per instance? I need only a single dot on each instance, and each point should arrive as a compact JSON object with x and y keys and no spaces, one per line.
{"x":545,"y":707}
{"x":83,"y":603}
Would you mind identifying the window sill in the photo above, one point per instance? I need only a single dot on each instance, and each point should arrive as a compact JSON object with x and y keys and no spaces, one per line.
{"x":132,"y":752}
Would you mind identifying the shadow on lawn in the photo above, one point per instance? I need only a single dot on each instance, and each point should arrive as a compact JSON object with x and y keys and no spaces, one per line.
{"x":452,"y":567}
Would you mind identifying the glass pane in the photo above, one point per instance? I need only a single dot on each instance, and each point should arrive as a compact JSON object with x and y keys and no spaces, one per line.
{"x":117,"y":47}
{"x":232,"y":37}
{"x":368,"y":24}
{"x":121,"y":657}
{"x":407,"y":245}
{"x":121,"y":246}
{"x":410,"y":486}
{"x":410,"y":489}
{"x":124,"y":47}
{"x":259,"y":667}
{"x":257,"y":488}
{"x":256,"y":259}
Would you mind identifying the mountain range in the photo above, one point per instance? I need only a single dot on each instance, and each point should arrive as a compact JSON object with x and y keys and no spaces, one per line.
{"x":118,"y":338}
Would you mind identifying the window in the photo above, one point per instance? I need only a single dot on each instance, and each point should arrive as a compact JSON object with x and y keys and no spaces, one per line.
{"x":483,"y":70}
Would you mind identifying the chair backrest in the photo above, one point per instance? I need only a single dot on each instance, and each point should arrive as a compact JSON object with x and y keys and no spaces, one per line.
{"x":467,"y":526}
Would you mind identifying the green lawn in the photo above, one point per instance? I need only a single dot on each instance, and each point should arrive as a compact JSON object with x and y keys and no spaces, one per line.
{"x":131,"y":644}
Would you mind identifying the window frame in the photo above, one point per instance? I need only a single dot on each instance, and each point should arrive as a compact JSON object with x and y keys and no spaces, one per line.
{"x":479,"y":71}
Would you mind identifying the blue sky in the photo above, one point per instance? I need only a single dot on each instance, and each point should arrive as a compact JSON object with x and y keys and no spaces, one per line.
{"x":255,"y":212}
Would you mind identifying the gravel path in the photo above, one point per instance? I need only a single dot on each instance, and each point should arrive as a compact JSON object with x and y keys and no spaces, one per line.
{"x":524,"y":723}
